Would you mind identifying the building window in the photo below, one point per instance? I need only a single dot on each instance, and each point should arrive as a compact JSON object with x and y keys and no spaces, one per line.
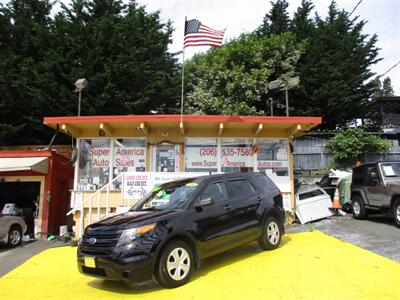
{"x":236,"y":155}
{"x":201,"y":155}
{"x":272,"y":157}
{"x":94,"y":163}
{"x":129,"y":156}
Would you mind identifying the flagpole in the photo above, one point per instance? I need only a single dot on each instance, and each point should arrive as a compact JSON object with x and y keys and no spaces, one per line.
{"x":183,"y":73}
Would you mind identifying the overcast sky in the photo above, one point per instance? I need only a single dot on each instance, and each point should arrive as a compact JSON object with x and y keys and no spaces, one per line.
{"x":239,"y":16}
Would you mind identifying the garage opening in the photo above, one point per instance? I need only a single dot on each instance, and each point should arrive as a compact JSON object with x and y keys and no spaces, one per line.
{"x":25,"y":195}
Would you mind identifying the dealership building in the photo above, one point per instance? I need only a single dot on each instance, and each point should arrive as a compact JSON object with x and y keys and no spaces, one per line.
{"x":108,"y":147}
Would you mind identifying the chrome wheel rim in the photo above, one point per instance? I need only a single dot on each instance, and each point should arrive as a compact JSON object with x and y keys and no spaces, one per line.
{"x":398,"y":213}
{"x":15,"y":237}
{"x":273,"y":233}
{"x":356,"y":208}
{"x":178,"y":263}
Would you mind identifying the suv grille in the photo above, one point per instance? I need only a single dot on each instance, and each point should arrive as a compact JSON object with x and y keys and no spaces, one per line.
{"x":99,"y":242}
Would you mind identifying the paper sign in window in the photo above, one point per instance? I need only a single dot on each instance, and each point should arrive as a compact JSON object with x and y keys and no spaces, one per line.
{"x":388,"y":171}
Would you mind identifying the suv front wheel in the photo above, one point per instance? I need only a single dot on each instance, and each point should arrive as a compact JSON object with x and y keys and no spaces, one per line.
{"x":357,"y":205}
{"x":175,"y":265}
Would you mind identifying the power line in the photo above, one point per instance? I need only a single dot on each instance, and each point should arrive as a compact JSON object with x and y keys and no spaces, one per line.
{"x":355,"y":7}
{"x":390,"y":69}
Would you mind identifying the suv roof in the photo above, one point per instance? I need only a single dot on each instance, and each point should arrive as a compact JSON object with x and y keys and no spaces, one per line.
{"x":222,"y":175}
{"x":376,"y":162}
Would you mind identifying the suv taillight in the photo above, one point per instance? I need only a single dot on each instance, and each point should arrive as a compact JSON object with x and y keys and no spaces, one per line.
{"x":278,"y":200}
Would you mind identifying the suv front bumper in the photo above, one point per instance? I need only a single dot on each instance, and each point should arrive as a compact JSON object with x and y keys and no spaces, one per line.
{"x":112,"y":269}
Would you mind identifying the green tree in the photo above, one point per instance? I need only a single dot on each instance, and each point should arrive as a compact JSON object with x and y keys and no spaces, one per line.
{"x":384,"y":88}
{"x":349,"y":145}
{"x":24,"y":38}
{"x":335,"y":68}
{"x":232,"y":79}
{"x":277,"y":20}
{"x":120,"y":49}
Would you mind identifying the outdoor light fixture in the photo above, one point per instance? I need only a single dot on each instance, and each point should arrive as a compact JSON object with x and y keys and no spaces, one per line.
{"x":284,"y":85}
{"x":271,"y":101}
{"x":80,"y":84}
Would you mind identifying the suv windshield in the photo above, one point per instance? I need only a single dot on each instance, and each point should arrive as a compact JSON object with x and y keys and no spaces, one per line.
{"x":391,"y":169}
{"x":170,"y":195}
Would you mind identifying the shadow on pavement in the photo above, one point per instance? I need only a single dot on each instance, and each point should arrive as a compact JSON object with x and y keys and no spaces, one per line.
{"x":382,"y":219}
{"x":221,"y":260}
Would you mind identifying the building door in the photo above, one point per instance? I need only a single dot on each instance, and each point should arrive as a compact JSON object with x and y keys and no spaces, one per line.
{"x":25,"y":195}
{"x":165,"y":158}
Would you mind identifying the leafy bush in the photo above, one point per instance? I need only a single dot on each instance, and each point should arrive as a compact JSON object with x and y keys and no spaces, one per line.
{"x":348,"y":146}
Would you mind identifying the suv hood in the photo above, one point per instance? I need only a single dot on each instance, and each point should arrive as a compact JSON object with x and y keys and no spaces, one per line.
{"x":122,"y":220}
{"x":393,"y":183}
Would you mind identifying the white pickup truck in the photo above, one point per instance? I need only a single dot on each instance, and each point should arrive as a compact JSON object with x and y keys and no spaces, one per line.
{"x":12,"y":227}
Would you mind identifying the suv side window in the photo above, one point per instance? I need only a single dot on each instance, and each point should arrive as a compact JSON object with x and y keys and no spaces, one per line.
{"x":240,"y":188}
{"x":215,"y":190}
{"x":368,"y":180}
{"x":358,"y":176}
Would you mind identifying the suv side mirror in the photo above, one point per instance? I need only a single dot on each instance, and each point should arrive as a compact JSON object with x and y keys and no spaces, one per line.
{"x":204,"y":203}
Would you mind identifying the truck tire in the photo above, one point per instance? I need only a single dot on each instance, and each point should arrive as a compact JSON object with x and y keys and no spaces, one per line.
{"x":396,"y":211}
{"x":358,"y":208}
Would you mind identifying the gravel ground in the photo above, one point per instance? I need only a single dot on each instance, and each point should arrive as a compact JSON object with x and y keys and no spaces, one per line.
{"x":378,"y":233}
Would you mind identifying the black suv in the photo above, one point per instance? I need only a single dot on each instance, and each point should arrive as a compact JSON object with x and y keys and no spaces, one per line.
{"x":179,"y":223}
{"x":375,"y":187}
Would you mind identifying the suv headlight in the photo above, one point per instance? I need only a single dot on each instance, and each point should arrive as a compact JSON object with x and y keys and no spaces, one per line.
{"x":131,"y":234}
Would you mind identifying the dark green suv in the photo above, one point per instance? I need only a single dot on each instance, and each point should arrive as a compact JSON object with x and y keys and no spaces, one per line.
{"x":375,"y":188}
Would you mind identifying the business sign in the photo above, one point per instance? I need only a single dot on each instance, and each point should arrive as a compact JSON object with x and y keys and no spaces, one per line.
{"x":198,"y":157}
{"x":135,"y":185}
{"x":129,"y":157}
{"x":100,"y":157}
{"x":237,"y":157}
{"x":272,"y":164}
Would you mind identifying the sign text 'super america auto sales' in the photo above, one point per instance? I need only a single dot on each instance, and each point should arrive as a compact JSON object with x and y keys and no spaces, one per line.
{"x":128,"y":157}
{"x":124,"y":157}
{"x":100,"y":157}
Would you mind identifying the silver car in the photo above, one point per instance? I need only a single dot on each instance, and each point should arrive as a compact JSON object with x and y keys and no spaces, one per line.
{"x":12,"y":229}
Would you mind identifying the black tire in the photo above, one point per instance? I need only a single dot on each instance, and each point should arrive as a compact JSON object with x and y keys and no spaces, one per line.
{"x":165,"y":269}
{"x":270,"y":238}
{"x":396,"y":211}
{"x":358,"y":208}
{"x":14,"y":236}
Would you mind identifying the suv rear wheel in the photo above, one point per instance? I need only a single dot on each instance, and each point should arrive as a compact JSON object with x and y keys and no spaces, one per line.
{"x":175,"y":265}
{"x":271,"y":234}
{"x":357,"y":205}
{"x":396,"y":211}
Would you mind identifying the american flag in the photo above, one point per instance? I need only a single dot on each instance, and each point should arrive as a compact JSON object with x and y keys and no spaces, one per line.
{"x":197,"y":34}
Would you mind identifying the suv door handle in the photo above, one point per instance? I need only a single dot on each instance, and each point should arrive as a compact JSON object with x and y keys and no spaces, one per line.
{"x":259,"y":198}
{"x":227,"y":207}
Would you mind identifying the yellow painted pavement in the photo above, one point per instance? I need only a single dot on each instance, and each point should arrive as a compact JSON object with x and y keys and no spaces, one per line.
{"x":309,"y":265}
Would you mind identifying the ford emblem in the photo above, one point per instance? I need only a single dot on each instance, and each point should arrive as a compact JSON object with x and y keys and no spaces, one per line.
{"x":92,"y":241}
